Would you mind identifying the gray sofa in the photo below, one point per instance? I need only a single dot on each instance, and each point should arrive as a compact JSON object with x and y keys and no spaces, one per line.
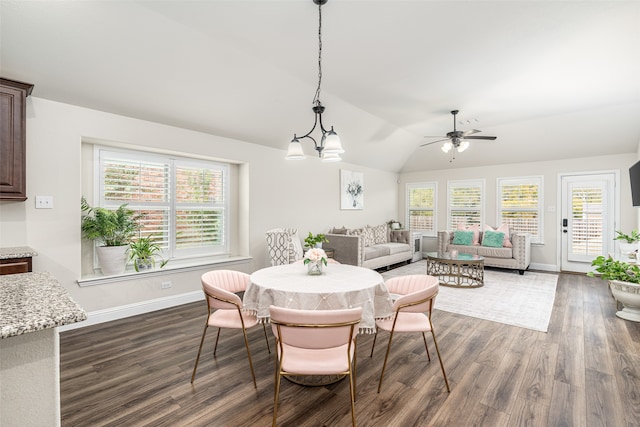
{"x":356,"y":247}
{"x":517,"y":258}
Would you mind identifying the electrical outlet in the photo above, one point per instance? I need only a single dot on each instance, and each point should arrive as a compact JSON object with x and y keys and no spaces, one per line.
{"x":166,"y":285}
{"x":44,"y":202}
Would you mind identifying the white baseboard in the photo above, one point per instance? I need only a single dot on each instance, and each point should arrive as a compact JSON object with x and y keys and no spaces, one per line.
{"x":115,"y":313}
{"x":544,"y":267}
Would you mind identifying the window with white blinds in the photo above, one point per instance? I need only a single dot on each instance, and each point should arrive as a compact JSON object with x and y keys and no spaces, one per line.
{"x":184,"y":201}
{"x":421,"y":207}
{"x":465,"y":203}
{"x":520,"y":205}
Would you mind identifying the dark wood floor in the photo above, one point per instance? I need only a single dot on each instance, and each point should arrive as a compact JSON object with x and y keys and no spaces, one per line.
{"x":584,"y":372}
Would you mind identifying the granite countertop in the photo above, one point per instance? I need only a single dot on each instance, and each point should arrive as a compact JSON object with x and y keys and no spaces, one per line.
{"x":32,"y":302}
{"x":17,"y":252}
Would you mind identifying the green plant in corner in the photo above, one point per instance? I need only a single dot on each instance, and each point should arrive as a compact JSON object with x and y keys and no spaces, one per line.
{"x":629,"y":238}
{"x":311,"y":240}
{"x":611,"y":269}
{"x":143,"y":253}
{"x":110,"y":227}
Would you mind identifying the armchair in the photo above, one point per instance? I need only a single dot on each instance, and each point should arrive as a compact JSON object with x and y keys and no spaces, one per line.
{"x":283,"y":245}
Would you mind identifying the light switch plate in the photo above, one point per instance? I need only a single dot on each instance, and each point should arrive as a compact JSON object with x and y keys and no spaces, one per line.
{"x":44,"y":202}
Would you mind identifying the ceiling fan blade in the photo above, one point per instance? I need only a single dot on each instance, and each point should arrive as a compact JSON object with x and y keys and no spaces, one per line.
{"x":470,"y":132}
{"x":434,"y":142}
{"x":491,"y":138}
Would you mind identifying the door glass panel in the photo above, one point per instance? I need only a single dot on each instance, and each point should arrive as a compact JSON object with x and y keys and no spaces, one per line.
{"x":587,"y":221}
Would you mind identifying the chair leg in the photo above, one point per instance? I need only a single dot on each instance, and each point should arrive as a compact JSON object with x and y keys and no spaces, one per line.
{"x":264,"y":328}
{"x":352,"y":395}
{"x":433,"y":334}
{"x":217,"y":338}
{"x":246,"y":344}
{"x":386,"y":356}
{"x":355,"y":365}
{"x":204,"y":332}
{"x":374,"y":343}
{"x":276,"y":393}
{"x":424,"y":338}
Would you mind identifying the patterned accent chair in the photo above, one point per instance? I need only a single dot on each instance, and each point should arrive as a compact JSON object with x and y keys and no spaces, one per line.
{"x":283,"y":245}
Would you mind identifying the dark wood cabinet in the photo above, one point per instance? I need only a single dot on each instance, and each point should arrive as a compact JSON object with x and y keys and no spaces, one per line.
{"x":15,"y":265}
{"x":13,"y":99}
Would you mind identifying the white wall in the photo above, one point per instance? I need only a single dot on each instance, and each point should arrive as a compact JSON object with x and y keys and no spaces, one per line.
{"x":543,"y":256}
{"x":282,"y":193}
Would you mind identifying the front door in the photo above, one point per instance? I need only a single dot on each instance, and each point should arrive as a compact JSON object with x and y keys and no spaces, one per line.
{"x":589,"y":212}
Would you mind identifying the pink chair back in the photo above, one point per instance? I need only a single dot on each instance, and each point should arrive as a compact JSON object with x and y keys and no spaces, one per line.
{"x":222,"y":284}
{"x":305,"y":331}
{"x":414,"y":288}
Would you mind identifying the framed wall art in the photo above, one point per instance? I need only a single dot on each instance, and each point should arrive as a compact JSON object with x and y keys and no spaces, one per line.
{"x":351,"y":190}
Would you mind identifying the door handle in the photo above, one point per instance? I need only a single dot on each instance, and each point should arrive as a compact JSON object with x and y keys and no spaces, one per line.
{"x":565,"y":222}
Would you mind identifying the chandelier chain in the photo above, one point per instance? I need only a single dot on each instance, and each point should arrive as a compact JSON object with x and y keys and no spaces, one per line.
{"x":316,"y":98}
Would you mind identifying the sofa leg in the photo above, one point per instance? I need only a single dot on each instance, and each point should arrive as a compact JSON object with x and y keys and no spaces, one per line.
{"x":521,"y":272}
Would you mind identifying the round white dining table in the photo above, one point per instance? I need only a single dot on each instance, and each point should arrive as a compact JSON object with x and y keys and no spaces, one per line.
{"x":340,"y":286}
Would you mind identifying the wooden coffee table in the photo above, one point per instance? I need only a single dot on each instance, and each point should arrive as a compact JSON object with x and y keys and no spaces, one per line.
{"x":460,"y":270}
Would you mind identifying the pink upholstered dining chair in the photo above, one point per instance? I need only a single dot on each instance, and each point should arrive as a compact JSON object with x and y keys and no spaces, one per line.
{"x":315,"y":342}
{"x":412,"y":313}
{"x":225,"y":309}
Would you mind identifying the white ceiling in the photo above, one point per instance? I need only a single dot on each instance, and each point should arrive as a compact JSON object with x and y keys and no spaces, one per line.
{"x":550,"y":79}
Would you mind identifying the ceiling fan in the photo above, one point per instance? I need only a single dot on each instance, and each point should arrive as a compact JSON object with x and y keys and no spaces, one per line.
{"x":458,"y":139}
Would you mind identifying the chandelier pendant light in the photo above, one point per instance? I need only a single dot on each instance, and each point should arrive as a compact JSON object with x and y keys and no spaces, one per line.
{"x":329,"y":148}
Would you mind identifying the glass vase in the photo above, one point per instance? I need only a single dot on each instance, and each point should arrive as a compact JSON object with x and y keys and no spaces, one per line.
{"x":315,"y":268}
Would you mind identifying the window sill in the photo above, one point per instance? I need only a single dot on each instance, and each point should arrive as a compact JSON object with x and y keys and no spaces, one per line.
{"x":175,"y":266}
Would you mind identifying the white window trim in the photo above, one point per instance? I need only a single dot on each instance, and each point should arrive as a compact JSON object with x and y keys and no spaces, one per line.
{"x":539,"y":240}
{"x":428,"y":184}
{"x":466,"y":183}
{"x":146,"y":155}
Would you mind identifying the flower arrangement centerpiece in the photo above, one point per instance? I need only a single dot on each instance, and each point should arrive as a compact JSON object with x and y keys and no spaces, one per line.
{"x":315,"y":260}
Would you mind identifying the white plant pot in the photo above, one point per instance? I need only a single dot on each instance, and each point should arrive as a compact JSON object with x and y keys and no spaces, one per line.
{"x":626,"y":249}
{"x":113,"y":259}
{"x":628,"y":294}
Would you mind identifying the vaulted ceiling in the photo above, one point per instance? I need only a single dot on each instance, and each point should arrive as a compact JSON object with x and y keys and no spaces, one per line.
{"x":550,"y":79}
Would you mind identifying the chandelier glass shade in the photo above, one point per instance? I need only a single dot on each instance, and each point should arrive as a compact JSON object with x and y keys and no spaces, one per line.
{"x":329,"y":147}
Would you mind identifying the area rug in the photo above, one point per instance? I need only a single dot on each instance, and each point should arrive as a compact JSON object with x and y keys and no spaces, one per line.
{"x":506,"y":297}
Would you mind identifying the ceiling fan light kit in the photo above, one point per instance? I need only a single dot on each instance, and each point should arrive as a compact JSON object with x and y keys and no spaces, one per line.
{"x":458,"y":139}
{"x":330,"y":147}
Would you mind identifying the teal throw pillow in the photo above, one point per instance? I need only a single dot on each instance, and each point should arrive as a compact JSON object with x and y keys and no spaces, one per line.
{"x":492,"y":239}
{"x":462,"y":237}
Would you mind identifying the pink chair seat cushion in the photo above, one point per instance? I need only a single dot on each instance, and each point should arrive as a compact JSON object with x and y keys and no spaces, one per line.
{"x":231,"y":319}
{"x":407,"y":322}
{"x":326,"y":361}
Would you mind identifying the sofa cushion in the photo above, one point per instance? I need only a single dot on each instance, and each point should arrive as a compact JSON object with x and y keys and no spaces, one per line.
{"x":461,"y":237}
{"x":505,"y":229}
{"x":495,"y":252}
{"x":336,"y":230}
{"x":395,"y":248}
{"x":376,"y":251}
{"x":492,"y":239}
{"x":380,"y":234}
{"x":476,"y":231}
{"x":368,"y":237}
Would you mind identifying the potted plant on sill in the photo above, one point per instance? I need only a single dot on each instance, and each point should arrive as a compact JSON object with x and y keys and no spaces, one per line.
{"x":628,"y":242}
{"x":143,"y":253}
{"x":624,"y":282}
{"x":112,"y":230}
{"x":315,"y":241}
{"x":394,"y":225}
